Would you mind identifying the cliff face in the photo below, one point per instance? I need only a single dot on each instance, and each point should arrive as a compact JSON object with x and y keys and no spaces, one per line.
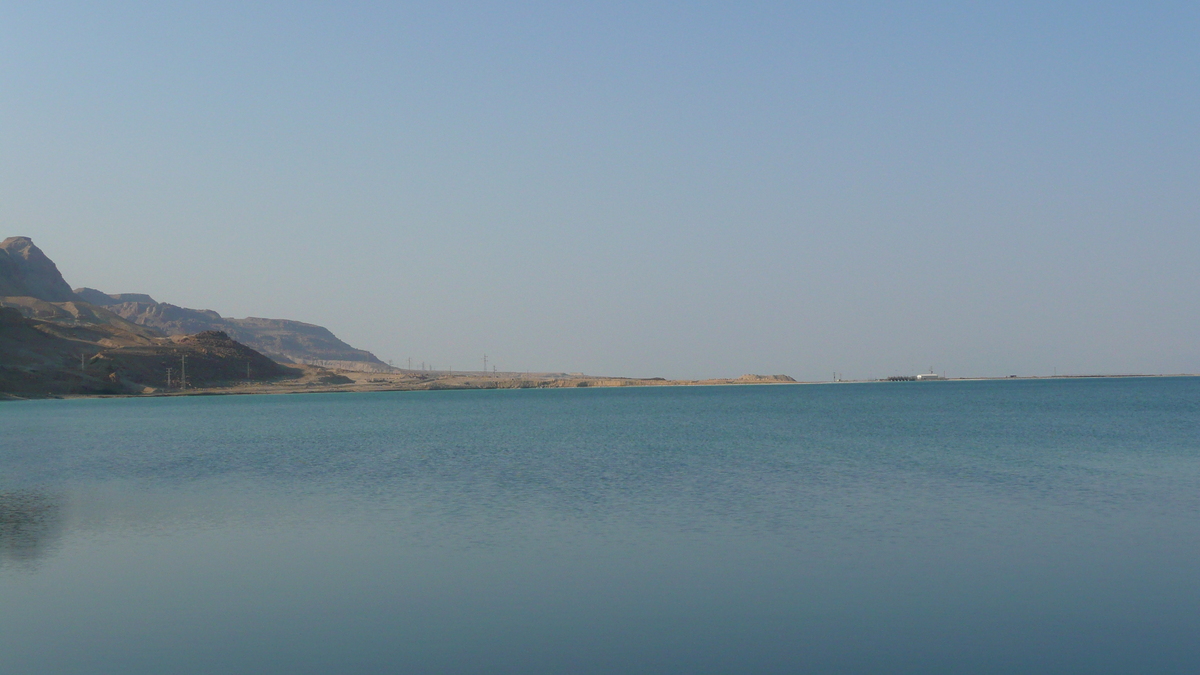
{"x":168,"y":318}
{"x":25,"y":270}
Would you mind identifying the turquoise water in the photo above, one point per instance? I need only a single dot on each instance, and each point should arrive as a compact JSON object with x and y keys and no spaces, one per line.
{"x":984,"y":527}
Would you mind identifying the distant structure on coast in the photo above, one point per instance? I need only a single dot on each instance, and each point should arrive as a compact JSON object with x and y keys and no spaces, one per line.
{"x":923,"y":377}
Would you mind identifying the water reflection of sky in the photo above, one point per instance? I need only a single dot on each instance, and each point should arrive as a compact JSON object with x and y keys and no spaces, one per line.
{"x":768,"y":530}
{"x":30,"y":526}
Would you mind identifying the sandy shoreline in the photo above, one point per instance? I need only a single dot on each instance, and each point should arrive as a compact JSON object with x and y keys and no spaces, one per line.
{"x":321,"y":381}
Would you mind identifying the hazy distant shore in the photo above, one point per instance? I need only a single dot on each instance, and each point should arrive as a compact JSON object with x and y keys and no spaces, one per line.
{"x":319,"y":380}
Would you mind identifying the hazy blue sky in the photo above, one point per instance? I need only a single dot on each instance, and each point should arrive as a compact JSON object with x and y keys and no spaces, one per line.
{"x":675,"y":189}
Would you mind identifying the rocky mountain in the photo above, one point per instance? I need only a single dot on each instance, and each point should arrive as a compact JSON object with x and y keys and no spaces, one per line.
{"x":284,"y":340}
{"x":27,"y":275}
{"x":26,"y":271}
{"x":127,"y":341}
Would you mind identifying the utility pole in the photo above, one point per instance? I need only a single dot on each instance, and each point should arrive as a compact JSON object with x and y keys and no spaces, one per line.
{"x":410,"y":363}
{"x":169,"y":377}
{"x":485,"y":364}
{"x":183,"y":372}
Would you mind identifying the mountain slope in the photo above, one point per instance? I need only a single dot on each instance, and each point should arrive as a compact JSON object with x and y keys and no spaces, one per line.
{"x":284,"y":340}
{"x":75,"y":313}
{"x":26,"y":271}
{"x":55,"y":358}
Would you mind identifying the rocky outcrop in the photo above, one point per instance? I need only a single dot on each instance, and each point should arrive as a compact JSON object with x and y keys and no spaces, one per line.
{"x":26,"y":271}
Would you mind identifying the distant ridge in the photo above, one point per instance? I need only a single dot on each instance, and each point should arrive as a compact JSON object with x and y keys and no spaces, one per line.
{"x":104,"y":299}
{"x":283,"y":340}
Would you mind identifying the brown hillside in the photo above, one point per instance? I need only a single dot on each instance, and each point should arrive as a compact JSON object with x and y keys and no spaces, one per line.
{"x":46,"y":358}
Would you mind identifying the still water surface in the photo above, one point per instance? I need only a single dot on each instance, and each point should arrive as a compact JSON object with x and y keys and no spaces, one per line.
{"x":986,"y":527}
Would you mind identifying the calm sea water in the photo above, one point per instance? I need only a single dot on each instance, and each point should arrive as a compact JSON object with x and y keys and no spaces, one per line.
{"x":983,"y":527}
